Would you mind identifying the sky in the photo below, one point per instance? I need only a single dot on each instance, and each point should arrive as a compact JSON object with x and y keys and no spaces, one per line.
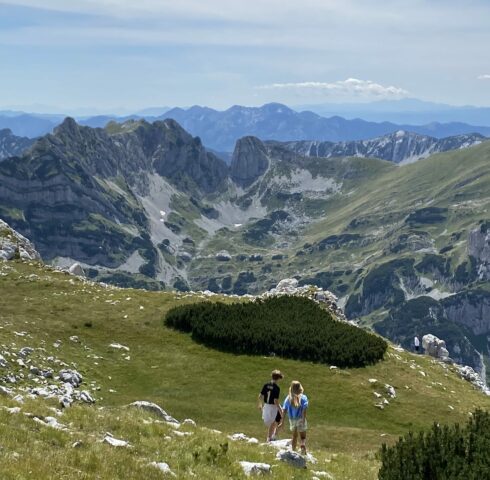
{"x":120,"y":56}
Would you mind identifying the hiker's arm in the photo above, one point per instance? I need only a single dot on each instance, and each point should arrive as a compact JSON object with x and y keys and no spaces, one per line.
{"x":260,"y":401}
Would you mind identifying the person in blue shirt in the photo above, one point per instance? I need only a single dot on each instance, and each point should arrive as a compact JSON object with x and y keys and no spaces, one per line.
{"x":295,"y":406}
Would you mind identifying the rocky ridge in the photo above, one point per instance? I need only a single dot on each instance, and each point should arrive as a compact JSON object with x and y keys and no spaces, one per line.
{"x":400,"y":147}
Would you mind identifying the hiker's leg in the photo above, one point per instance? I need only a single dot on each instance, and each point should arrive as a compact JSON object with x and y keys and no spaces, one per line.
{"x":303,"y":442}
{"x":271,"y":431}
{"x":294,"y":442}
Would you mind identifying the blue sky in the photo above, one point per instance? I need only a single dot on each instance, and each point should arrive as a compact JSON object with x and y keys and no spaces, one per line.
{"x":108,"y":55}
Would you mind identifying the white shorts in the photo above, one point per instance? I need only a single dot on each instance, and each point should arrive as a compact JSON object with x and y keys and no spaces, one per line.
{"x":269,"y":413}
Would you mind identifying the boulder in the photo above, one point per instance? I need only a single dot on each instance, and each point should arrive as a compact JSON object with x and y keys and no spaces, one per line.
{"x":115,"y":442}
{"x":292,"y":458}
{"x":76,"y":269}
{"x":435,"y":347}
{"x":155,"y":409}
{"x":71,"y":376}
{"x":253,"y":468}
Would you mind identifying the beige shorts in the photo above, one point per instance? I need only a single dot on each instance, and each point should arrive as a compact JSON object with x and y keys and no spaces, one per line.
{"x":299,"y":424}
{"x":269,"y":413}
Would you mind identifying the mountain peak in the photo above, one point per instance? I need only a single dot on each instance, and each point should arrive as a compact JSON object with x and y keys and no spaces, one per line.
{"x":68,"y":126}
{"x":249,"y":161}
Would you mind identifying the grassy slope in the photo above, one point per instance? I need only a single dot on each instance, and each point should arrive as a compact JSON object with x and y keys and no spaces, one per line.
{"x":217,"y":390}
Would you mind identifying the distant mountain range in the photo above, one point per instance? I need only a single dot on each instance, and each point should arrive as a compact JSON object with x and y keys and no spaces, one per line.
{"x":404,"y":111}
{"x":399,"y":147}
{"x":219,"y":130}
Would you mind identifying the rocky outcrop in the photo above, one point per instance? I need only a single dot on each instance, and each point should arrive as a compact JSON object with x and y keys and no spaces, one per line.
{"x":325,"y":298}
{"x":398,"y":147}
{"x":13,"y":245}
{"x":249,"y":161}
{"x":435,"y":347}
{"x":11,"y":145}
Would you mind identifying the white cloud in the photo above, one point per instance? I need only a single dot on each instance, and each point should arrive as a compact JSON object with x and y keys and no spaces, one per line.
{"x":352,"y":87}
{"x":484,"y":77}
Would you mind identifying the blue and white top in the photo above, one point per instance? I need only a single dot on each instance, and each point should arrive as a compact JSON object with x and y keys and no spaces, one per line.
{"x":295,"y":412}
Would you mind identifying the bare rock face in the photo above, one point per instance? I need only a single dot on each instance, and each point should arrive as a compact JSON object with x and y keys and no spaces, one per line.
{"x":479,"y":248}
{"x":249,"y":161}
{"x":15,"y":246}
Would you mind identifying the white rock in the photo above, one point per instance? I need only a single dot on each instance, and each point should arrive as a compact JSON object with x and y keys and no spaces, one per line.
{"x":189,"y":421}
{"x":252,"y":468}
{"x":50,"y":422}
{"x":155,"y":409}
{"x":86,"y":397}
{"x":322,"y":474}
{"x":390,"y":390}
{"x":115,"y":442}
{"x":5,"y":391}
{"x":279,"y":444}
{"x":118,"y":346}
{"x":163,"y":467}
{"x":76,"y":269}
{"x":241,"y":437}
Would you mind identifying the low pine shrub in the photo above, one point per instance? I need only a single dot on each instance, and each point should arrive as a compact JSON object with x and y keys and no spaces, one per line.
{"x":442,"y":453}
{"x":290,"y":327}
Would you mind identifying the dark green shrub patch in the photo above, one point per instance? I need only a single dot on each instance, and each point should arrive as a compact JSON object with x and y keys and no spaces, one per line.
{"x":443,"y":453}
{"x":290,"y":327}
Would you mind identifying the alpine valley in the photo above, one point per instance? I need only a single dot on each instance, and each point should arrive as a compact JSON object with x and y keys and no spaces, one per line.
{"x":401,"y":239}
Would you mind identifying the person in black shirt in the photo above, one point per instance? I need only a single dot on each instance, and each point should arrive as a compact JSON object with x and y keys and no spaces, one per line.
{"x":269,"y":404}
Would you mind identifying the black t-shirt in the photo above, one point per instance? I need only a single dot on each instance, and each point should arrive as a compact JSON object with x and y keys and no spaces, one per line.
{"x":270,"y":391}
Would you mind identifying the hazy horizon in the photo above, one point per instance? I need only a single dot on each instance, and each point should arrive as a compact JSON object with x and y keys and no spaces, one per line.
{"x":116,"y":55}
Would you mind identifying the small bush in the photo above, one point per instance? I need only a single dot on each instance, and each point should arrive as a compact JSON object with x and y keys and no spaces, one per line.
{"x":443,"y":453}
{"x":291,"y":327}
